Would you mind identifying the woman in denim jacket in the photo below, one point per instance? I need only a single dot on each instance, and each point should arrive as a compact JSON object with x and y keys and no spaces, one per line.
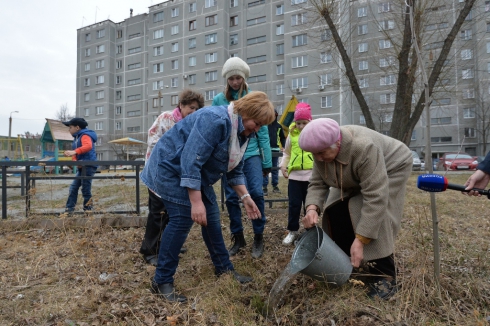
{"x":185,"y":164}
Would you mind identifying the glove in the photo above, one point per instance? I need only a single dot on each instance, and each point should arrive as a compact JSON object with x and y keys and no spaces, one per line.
{"x":266,"y":171}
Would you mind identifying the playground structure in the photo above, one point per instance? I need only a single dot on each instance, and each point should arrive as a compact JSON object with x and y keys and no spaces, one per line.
{"x":287,"y":116}
{"x":18,"y":151}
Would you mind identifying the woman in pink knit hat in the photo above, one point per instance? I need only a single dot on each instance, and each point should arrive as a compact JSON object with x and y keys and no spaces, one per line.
{"x":296,"y":165}
{"x":362,"y":175}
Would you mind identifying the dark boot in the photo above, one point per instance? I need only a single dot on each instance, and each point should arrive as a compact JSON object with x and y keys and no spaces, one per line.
{"x":258,"y":246}
{"x":242,"y":278}
{"x":238,"y":242}
{"x":266,"y":193}
{"x":167,"y":291}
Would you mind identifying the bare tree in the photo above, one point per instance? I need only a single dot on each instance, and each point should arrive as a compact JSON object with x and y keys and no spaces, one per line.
{"x":64,"y":114}
{"x":405,"y":115}
{"x":482,"y":115}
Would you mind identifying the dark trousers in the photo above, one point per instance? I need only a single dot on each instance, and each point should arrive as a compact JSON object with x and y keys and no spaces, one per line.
{"x":155,"y":225}
{"x":297,"y":191}
{"x":342,"y":233}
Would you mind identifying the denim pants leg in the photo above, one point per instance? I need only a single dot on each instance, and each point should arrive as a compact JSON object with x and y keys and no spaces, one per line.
{"x":297,"y":191}
{"x":233,"y":207}
{"x":73,"y":193}
{"x":213,"y":237}
{"x":252,"y":168}
{"x":173,"y":238}
{"x":87,"y":188}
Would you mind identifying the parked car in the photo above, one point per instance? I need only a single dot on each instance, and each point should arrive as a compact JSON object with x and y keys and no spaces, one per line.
{"x":416,"y":165}
{"x":47,"y":169}
{"x":455,"y":161}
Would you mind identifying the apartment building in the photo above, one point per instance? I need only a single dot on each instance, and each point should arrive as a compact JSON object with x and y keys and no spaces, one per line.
{"x":131,"y":71}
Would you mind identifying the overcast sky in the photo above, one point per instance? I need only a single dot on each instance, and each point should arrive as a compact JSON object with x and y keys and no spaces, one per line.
{"x":38,"y":59}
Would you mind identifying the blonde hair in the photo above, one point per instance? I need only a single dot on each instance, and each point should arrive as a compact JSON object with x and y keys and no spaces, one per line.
{"x":243,"y":90}
{"x":255,"y":105}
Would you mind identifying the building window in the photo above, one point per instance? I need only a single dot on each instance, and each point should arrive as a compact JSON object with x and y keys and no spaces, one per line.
{"x":99,"y":64}
{"x":118,"y":95}
{"x":174,"y":30}
{"x":467,"y":73}
{"x":325,"y":57}
{"x":296,"y":2}
{"x":156,"y":100}
{"x":118,"y":49}
{"x":99,"y":125}
{"x":158,"y":17}
{"x":256,"y":3}
{"x":158,"y":34}
{"x":133,"y":35}
{"x":233,"y":39}
{"x":87,"y":52}
{"x":119,"y":33}
{"x":211,"y":20}
{"x":210,"y":57}
{"x":209,"y":3}
{"x":135,"y":81}
{"x":257,"y":59}
{"x":280,"y":49}
{"x":87,"y":37}
{"x":233,"y":21}
{"x":134,"y":98}
{"x":86,"y":82}
{"x":99,"y":110}
{"x":384,"y":44}
{"x":134,"y":129}
{"x":158,"y":50}
{"x":255,"y":40}
{"x":363,"y":83}
{"x":280,"y":69}
{"x":134,"y":50}
{"x":175,"y":64}
{"x":280,"y":89}
{"x":468,"y":93}
{"x":134,"y":66}
{"x":298,"y":19}
{"x":100,"y":33}
{"x":255,"y":21}
{"x":174,"y":82}
{"x":279,"y":10}
{"x":301,"y":61}
{"x":99,"y":95}
{"x":175,"y":12}
{"x":470,"y":132}
{"x":99,"y":79}
{"x":257,"y":79}
{"x":280,"y":29}
{"x":192,"y":61}
{"x":211,"y":76}
{"x":387,"y":98}
{"x":174,"y":99}
{"x":233,"y":3}
{"x":441,"y":139}
{"x":192,"y":79}
{"x":469,"y":113}
{"x":362,"y":29}
{"x":466,"y":34}
{"x":118,"y":125}
{"x":209,"y":95}
{"x":326,"y":79}
{"x":211,"y":38}
{"x":192,"y":43}
{"x":466,"y":54}
{"x":362,"y":12}
{"x":118,"y":64}
{"x":385,"y":25}
{"x":87,"y":112}
{"x":385,"y":62}
{"x":299,"y":40}
{"x":301,"y":82}
{"x":192,"y":25}
{"x":175,"y":47}
{"x":442,"y":101}
{"x":118,"y":110}
{"x":363,"y":47}
{"x":326,"y":101}
{"x":158,"y":67}
{"x":440,"y":121}
{"x":100,"y":48}
{"x":192,"y":7}
{"x":387,"y":80}
{"x":384,"y":7}
{"x":363,"y":65}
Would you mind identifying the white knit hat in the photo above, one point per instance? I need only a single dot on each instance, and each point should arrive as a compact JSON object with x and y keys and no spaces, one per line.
{"x":235,"y":66}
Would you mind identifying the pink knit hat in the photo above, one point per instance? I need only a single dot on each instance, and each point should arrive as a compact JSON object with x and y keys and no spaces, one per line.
{"x":319,"y":134}
{"x":302,"y":112}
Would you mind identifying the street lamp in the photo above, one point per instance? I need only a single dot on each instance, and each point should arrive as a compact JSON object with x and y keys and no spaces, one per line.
{"x":10,"y":130}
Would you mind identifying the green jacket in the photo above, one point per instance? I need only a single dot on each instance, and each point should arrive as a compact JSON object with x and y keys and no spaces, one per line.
{"x":300,"y":159}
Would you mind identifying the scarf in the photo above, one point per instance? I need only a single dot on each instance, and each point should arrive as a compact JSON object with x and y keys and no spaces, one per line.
{"x":234,"y":150}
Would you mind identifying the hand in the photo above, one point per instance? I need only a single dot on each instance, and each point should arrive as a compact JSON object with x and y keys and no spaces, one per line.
{"x":311,"y":217}
{"x":478,"y":180}
{"x":69,"y":153}
{"x":198,"y":213}
{"x":356,"y":253}
{"x":265,"y":172}
{"x":253,"y":212}
{"x":284,"y":172}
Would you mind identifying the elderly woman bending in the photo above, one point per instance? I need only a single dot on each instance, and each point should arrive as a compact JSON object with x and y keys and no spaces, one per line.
{"x":364,"y":175}
{"x":182,"y":169}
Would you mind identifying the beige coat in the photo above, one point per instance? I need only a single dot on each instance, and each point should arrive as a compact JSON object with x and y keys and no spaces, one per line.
{"x":371,"y":169}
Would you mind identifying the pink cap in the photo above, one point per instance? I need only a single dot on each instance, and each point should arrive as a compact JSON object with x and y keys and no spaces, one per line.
{"x":319,"y":134}
{"x":302,"y":112}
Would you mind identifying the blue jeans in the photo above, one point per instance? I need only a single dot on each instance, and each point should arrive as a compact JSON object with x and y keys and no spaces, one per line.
{"x":297,"y":191}
{"x":176,"y":232}
{"x":252,"y":169}
{"x":86,"y":185}
{"x":274,"y":173}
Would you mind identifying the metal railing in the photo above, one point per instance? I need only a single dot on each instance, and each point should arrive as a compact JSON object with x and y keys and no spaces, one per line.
{"x":28,"y":179}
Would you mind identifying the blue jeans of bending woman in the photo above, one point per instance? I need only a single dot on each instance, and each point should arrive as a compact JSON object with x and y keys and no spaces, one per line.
{"x":252,"y":169}
{"x":176,"y":232}
{"x":86,"y":185}
{"x":274,"y":174}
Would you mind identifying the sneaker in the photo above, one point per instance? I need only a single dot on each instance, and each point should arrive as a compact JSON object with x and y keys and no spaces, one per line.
{"x":266,"y":193}
{"x":276,"y":190}
{"x":289,"y":239}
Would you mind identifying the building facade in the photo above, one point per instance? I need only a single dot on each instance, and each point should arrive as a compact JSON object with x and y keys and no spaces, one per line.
{"x":129,"y":72}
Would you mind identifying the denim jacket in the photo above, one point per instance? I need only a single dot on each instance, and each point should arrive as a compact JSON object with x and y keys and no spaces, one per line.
{"x":193,"y":154}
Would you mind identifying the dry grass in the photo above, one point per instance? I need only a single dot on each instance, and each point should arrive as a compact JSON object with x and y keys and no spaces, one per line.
{"x":97,"y":277}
